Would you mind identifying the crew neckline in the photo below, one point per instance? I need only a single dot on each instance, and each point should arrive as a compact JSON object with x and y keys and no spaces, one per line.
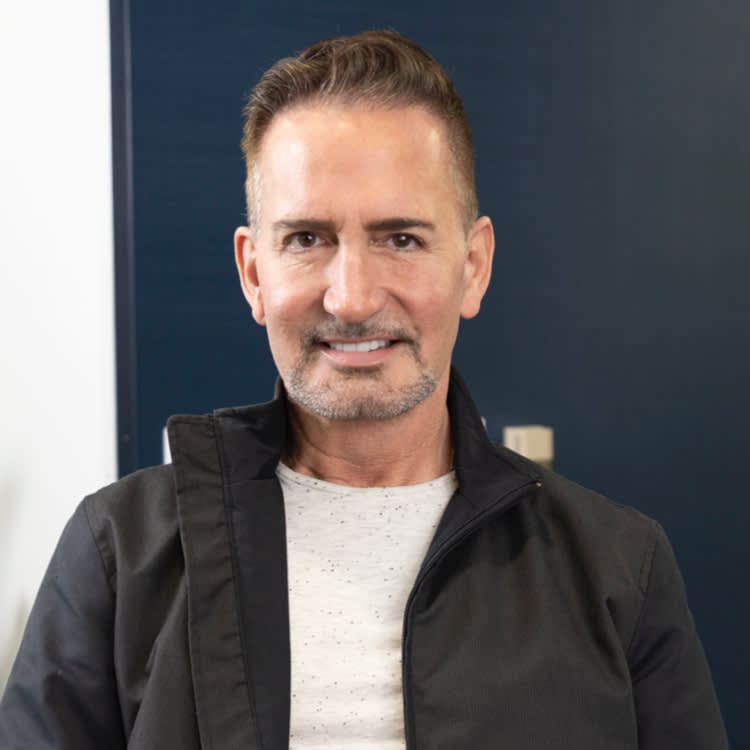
{"x":286,"y":473}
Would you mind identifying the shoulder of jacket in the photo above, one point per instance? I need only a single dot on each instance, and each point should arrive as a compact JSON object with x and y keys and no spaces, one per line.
{"x":609,"y":547}
{"x":617,"y":540}
{"x":593,"y":507}
{"x":143,"y":489}
{"x":133,"y":517}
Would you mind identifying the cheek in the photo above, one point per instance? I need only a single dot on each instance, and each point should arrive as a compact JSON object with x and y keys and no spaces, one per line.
{"x":289,"y":310}
{"x":436,"y":315}
{"x":287,"y":298}
{"x":285,"y":334}
{"x":436,"y":297}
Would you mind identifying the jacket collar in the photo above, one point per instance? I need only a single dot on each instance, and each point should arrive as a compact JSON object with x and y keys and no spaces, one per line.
{"x":490,"y":477}
{"x":485,"y":471}
{"x":254,"y":437}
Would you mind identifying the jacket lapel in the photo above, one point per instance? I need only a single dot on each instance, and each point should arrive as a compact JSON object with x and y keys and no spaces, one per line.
{"x":222,"y":696}
{"x":250,"y":441}
{"x":232,"y":526}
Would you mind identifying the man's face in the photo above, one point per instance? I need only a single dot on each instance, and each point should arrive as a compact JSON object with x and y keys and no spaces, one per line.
{"x":360,"y":266}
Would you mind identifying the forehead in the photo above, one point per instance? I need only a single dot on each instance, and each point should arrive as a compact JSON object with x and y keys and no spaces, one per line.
{"x":321,"y":156}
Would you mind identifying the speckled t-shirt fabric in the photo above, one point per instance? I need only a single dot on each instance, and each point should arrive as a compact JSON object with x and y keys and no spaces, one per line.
{"x":352,"y":555}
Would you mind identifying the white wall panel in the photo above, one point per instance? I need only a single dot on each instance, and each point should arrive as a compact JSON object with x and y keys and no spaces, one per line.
{"x":57,"y":371}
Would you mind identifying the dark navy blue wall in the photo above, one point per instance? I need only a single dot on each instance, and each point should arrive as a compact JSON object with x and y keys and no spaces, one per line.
{"x":613,"y":144}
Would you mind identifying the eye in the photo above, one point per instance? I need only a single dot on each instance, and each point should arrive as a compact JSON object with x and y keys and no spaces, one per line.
{"x":405,"y":241}
{"x":301,"y":241}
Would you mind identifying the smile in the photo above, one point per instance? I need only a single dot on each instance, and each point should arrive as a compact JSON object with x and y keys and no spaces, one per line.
{"x":358,"y":346}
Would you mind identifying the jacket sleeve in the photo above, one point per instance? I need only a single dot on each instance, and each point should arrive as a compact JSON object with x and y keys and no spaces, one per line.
{"x":675,"y":701}
{"x":61,"y":692}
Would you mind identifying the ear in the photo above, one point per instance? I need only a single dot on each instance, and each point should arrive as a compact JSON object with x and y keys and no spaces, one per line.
{"x":480,"y":247}
{"x":247,"y":267}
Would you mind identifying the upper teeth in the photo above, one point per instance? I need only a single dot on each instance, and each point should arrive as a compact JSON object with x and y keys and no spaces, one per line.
{"x":358,"y":346}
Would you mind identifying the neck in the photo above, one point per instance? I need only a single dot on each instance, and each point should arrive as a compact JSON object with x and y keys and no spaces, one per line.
{"x":413,"y":448}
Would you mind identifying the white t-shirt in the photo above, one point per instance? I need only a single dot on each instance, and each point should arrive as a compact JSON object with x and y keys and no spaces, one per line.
{"x":352,"y":556}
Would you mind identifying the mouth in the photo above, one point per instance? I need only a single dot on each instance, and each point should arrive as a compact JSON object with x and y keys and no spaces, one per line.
{"x":359,"y":346}
{"x":359,"y":353}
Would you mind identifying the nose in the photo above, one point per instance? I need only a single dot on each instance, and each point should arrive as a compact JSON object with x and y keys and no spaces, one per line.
{"x":354,"y":292}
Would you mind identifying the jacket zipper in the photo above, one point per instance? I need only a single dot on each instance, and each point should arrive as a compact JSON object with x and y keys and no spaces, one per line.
{"x":449,"y":545}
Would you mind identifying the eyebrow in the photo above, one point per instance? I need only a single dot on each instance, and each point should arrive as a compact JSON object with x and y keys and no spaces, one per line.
{"x":394,"y":224}
{"x":398,"y":223}
{"x":297,"y":225}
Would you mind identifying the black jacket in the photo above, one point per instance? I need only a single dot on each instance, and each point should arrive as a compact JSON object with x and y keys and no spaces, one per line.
{"x":543,"y":616}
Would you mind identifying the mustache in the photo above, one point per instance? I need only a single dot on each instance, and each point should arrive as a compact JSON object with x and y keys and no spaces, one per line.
{"x":334,"y":330}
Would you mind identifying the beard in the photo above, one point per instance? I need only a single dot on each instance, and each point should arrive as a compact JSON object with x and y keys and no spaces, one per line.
{"x":358,"y":393}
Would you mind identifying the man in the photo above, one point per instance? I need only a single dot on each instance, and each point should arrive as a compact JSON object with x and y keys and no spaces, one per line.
{"x":354,"y":564}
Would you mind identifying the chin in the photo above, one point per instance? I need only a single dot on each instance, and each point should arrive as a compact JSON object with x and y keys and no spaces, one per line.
{"x":351,"y":402}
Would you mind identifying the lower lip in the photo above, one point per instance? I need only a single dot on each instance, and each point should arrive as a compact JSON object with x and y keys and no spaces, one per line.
{"x":359,"y":359}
